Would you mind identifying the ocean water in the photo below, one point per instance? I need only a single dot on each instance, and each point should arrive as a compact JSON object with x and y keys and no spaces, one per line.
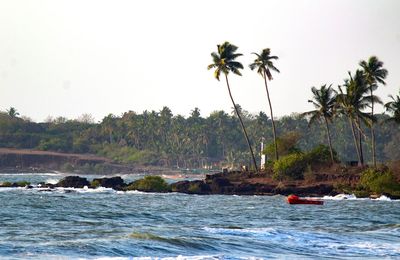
{"x":105,"y":224}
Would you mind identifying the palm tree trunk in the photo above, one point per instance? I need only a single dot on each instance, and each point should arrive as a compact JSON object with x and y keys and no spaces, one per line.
{"x":360,"y":141}
{"x":241,"y":123}
{"x":329,"y":140}
{"x":272,"y":118}
{"x":372,"y":131}
{"x":355,"y":141}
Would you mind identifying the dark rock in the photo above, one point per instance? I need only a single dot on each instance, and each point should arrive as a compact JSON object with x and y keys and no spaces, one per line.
{"x":318,"y":190}
{"x":191,"y":187}
{"x":46,"y":185}
{"x":312,"y":190}
{"x":245,"y":189}
{"x":221,"y":185}
{"x":180,"y":186}
{"x":116,"y":183}
{"x":73,"y":182}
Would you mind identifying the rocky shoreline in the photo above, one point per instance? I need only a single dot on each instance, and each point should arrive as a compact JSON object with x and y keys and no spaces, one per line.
{"x":223,"y":183}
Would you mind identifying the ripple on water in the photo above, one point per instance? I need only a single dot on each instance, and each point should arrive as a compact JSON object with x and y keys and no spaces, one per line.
{"x":102,"y":223}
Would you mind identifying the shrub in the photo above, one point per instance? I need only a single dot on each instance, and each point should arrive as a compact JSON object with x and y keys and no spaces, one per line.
{"x":150,"y":184}
{"x":379,"y":181}
{"x":6,"y":184}
{"x":287,"y":144}
{"x":321,"y":155}
{"x":95,"y":183}
{"x":61,"y":144}
{"x":23,"y":183}
{"x":290,"y":167}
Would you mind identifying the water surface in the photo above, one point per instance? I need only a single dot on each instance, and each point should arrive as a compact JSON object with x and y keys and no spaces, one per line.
{"x":103,"y":223}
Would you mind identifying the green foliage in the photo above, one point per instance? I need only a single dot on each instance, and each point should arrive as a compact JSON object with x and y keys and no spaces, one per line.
{"x":59,"y":144}
{"x":23,"y":183}
{"x":321,"y":155}
{"x":95,"y":184}
{"x":160,"y":138}
{"x":379,"y":181}
{"x":6,"y":184}
{"x":290,"y":167}
{"x":126,"y":154}
{"x":287,"y":144}
{"x":150,"y":184}
{"x":80,"y":145}
{"x":15,"y":184}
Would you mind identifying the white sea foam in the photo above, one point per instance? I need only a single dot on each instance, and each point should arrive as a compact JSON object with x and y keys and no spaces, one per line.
{"x":353,"y":197}
{"x":340,"y":197}
{"x":87,"y":190}
{"x":52,"y":181}
{"x":238,"y":231}
{"x":383,"y":198}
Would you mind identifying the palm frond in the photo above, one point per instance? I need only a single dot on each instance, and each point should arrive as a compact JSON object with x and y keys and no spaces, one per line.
{"x":236,"y":71}
{"x":235,"y":64}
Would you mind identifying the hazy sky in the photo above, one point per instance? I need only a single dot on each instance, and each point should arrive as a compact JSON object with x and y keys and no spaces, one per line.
{"x":66,"y":58}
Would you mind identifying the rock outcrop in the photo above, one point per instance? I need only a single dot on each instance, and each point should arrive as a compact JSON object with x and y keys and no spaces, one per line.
{"x":73,"y":182}
{"x":116,"y":183}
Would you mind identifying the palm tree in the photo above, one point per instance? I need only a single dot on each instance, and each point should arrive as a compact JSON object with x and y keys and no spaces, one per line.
{"x":264,"y":65}
{"x":12,"y":112}
{"x":224,"y":61}
{"x":393,"y":107}
{"x":324,"y":101}
{"x":374,"y":74}
{"x":352,"y":105}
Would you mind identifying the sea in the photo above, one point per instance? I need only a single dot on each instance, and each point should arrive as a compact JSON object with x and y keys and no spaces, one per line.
{"x":102,"y":223}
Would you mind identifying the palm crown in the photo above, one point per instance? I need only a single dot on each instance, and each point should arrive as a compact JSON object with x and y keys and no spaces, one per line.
{"x":224,"y":60}
{"x":374,"y":72}
{"x":354,"y":101}
{"x":323,"y":101}
{"x":264,"y":63}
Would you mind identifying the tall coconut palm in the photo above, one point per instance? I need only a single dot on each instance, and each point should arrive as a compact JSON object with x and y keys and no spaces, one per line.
{"x":324,"y":101}
{"x":224,"y":61}
{"x":264,"y":65}
{"x":374,"y":73}
{"x":352,"y":103}
{"x":393,"y":107}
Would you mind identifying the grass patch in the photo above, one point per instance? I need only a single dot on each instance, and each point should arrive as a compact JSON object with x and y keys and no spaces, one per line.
{"x":150,"y":184}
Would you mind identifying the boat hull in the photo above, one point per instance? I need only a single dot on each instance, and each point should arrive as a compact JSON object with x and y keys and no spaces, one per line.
{"x":293,"y":199}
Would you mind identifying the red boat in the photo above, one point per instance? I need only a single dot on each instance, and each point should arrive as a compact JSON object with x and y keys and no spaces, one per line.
{"x":293,"y":199}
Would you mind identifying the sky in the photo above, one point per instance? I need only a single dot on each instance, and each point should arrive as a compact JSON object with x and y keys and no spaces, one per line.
{"x":69,"y":57}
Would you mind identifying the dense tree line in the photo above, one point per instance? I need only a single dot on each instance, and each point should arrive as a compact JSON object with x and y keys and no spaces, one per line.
{"x":340,"y":120}
{"x":161,"y":138}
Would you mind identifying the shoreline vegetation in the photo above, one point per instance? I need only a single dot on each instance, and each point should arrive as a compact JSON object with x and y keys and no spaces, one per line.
{"x":317,"y":178}
{"x":340,"y":146}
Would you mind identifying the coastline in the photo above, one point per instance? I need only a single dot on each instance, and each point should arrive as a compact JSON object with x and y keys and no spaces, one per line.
{"x":319,"y":181}
{"x":223,"y":183}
